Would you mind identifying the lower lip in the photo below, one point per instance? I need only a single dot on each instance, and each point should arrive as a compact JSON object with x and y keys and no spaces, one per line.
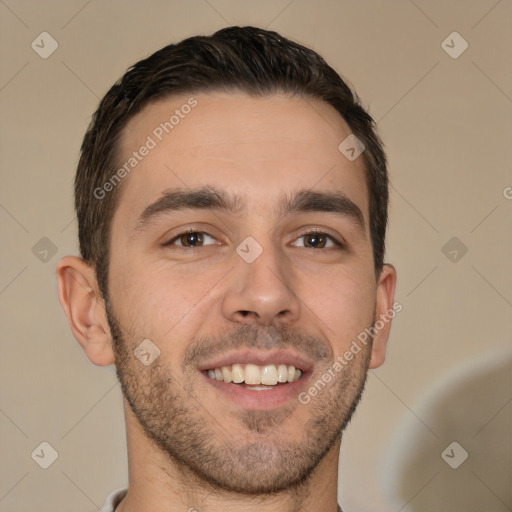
{"x":259,"y":400}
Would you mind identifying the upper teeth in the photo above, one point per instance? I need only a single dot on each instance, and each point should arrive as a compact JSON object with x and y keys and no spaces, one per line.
{"x":254,"y":375}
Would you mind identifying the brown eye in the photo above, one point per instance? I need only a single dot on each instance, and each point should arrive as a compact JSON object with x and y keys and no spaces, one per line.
{"x":315,"y":240}
{"x":318,"y":240}
{"x":190,"y":239}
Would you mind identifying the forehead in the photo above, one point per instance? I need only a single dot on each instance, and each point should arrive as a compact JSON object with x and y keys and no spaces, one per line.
{"x":256,"y":147}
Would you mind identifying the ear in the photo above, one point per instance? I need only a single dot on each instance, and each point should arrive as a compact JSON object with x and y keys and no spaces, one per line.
{"x":81,"y":300}
{"x":385,"y":311}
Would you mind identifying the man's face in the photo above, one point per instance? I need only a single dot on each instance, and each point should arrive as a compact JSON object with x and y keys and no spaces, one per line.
{"x":209,"y":299}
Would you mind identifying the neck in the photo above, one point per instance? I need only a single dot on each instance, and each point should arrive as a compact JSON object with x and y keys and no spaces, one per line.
{"x":158,"y":483}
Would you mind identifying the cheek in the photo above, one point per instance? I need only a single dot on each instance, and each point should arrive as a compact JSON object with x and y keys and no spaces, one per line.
{"x":343,"y":303}
{"x":159,"y":302}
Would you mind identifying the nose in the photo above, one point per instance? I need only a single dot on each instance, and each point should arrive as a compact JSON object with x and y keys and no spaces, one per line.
{"x":261,"y":292}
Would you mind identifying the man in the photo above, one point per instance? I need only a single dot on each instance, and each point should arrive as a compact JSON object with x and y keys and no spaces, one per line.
{"x":232,"y":205}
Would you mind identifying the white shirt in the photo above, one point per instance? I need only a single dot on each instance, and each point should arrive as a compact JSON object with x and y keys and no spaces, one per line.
{"x":114,"y":499}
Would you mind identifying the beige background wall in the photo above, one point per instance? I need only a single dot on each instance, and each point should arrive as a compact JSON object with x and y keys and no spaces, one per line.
{"x":447,"y":124}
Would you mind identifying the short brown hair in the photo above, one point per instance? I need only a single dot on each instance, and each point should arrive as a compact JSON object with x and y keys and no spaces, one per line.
{"x":245,"y":59}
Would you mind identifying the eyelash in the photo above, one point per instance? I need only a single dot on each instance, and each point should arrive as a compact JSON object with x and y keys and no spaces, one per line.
{"x":337,"y":243}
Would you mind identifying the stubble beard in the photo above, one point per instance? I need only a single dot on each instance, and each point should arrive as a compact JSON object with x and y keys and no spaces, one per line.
{"x":201,"y":446}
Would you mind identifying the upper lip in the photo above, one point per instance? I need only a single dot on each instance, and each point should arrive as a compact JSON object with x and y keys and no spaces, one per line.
{"x":259,"y":358}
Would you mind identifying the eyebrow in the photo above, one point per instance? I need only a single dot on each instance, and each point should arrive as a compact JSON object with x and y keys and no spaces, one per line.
{"x":211,"y":198}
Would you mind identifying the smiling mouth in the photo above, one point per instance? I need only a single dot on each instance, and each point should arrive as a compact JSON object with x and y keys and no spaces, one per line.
{"x":256,"y":378}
